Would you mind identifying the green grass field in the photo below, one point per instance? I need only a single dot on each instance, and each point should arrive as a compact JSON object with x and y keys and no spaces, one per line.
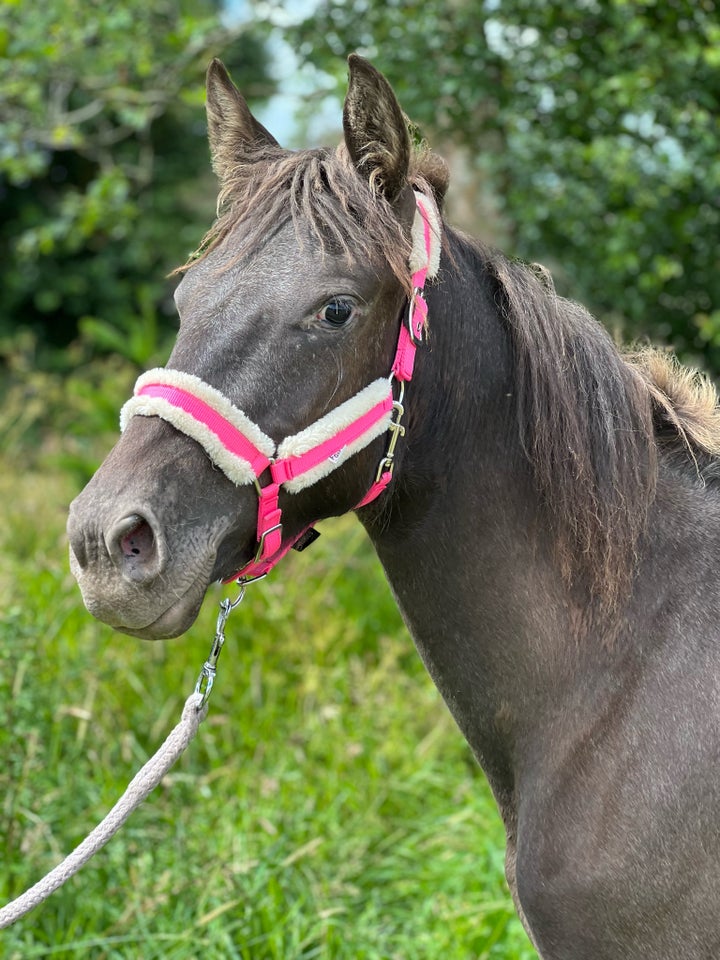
{"x":328,"y":808}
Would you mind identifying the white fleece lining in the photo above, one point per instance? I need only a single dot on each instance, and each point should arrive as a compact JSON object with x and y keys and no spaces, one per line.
{"x":419,"y":257}
{"x":212,"y":397}
{"x":330,"y":425}
{"x":234,"y":467}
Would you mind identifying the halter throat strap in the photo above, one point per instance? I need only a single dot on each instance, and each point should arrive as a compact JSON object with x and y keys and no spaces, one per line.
{"x":244,"y":452}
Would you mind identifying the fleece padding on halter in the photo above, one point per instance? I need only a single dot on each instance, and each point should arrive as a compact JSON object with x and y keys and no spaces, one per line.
{"x":240,"y":448}
{"x":426,"y":237}
{"x":326,"y":444}
{"x":232,"y":441}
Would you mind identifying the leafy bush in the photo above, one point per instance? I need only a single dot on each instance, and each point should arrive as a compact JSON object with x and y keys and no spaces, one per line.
{"x":104,"y":174}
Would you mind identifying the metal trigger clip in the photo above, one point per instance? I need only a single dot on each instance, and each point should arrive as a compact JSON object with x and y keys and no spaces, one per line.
{"x":206,"y":678}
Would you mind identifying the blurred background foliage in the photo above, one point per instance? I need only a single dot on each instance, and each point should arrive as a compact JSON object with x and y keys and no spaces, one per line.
{"x":103,"y":163}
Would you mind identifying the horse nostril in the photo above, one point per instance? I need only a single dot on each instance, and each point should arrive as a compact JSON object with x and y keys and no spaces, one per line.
{"x":139,"y":540}
{"x":133,"y":546}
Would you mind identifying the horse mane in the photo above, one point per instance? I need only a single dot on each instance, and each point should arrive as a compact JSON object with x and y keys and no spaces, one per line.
{"x":685,"y":411}
{"x":594,"y":423}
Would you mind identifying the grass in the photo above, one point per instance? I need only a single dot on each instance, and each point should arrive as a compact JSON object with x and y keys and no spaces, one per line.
{"x":329,"y":808}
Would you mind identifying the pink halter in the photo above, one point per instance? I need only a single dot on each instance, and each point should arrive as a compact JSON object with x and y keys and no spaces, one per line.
{"x":240,"y":448}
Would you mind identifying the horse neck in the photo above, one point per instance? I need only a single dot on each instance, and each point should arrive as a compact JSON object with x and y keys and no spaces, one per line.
{"x":461,"y":539}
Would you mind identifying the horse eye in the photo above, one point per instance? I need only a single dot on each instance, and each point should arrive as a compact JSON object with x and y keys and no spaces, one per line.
{"x":337,"y":312}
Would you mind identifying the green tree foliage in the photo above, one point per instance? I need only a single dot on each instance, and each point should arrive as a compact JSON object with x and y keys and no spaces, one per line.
{"x":104,"y":176}
{"x":599,"y":123}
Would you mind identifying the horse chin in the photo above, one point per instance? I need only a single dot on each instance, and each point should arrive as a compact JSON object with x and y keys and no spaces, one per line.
{"x":168,"y":604}
{"x":172,"y":623}
{"x":149,"y":615}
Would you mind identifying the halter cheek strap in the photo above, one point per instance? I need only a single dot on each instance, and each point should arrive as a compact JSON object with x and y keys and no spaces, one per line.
{"x":241,"y":449}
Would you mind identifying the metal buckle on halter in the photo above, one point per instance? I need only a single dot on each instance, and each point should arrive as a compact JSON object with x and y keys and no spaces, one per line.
{"x":417,"y":292}
{"x":266,"y":533}
{"x":396,"y":430}
{"x":261,"y":542}
{"x":387,"y":464}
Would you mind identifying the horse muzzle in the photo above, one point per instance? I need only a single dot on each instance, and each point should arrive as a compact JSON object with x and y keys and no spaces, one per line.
{"x":141,"y":567}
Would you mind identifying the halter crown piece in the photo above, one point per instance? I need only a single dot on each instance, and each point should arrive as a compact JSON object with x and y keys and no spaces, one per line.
{"x":241,"y":449}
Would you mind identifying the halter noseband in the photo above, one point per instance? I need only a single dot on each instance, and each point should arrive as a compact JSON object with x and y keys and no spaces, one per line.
{"x":241,"y":449}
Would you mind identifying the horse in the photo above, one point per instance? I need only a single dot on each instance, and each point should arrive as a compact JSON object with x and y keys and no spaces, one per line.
{"x":546,"y":507}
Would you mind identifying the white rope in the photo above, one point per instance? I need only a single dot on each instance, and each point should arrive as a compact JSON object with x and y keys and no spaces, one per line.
{"x":142,"y":784}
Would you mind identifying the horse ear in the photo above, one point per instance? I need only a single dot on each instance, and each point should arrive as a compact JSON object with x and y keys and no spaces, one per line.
{"x":232,"y":128}
{"x":376,"y":131}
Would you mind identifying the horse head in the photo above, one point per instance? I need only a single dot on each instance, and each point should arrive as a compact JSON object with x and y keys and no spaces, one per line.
{"x":288,"y":317}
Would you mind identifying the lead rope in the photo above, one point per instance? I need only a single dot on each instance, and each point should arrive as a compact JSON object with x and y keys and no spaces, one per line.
{"x":139,"y":788}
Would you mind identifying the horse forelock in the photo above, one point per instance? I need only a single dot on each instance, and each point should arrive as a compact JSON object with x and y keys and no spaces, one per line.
{"x":329,"y":202}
